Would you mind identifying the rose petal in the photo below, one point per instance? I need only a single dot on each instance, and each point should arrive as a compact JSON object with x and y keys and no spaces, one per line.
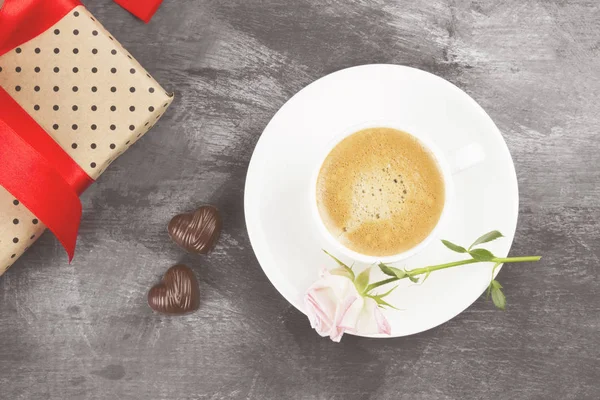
{"x":336,"y":334}
{"x":313,"y":311}
{"x":334,"y":306}
{"x":342,"y":314}
{"x":383,"y":326}
{"x":367,"y":323}
{"x":350,"y":319}
{"x":325,"y":299}
{"x":322,"y":304}
{"x":319,"y":311}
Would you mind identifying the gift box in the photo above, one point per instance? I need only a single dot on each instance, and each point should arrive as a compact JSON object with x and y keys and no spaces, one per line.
{"x":85,"y":96}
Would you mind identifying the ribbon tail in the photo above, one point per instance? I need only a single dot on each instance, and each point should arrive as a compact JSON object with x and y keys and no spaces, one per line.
{"x":33,"y":181}
{"x":143,"y":9}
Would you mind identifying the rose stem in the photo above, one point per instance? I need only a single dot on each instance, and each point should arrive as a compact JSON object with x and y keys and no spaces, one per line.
{"x":424,"y":270}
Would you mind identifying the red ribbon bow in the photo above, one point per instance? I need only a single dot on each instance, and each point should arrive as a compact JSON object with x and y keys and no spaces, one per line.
{"x":33,"y":167}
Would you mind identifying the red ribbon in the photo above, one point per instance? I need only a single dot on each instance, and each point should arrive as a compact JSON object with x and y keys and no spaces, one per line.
{"x":22,"y":20}
{"x":33,"y":167}
{"x":143,"y":9}
{"x":38,"y":172}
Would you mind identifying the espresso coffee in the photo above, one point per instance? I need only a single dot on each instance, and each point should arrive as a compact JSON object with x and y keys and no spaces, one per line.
{"x":380,"y":192}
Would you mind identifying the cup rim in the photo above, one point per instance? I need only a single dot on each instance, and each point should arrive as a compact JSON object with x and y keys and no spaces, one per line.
{"x":444,"y":168}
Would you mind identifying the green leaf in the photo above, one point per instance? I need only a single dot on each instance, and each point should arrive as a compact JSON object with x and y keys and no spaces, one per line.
{"x":341,"y":272}
{"x":489,"y":288}
{"x":382,"y":303}
{"x":454,"y":247}
{"x":381,"y":296}
{"x":481,"y":255}
{"x":386,"y":270}
{"x":347,"y":268}
{"x":399,"y":273}
{"x":362,"y":280}
{"x":488,"y":237}
{"x":413,"y":279}
{"x":391,"y":271}
{"x":337,"y":260}
{"x":495,"y":284}
{"x":498,"y":298}
{"x":426,"y":276}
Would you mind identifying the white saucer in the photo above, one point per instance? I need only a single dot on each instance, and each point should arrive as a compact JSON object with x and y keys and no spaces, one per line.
{"x":283,"y":234}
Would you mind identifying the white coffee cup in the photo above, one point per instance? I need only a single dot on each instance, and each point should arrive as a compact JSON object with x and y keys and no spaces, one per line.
{"x":449,"y":163}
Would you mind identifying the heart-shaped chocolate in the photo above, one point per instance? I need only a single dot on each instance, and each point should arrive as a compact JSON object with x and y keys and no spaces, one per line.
{"x":198,"y":231}
{"x":177,"y":294}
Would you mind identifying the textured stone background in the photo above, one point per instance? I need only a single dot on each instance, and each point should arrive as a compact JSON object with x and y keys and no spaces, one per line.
{"x":84,"y":331}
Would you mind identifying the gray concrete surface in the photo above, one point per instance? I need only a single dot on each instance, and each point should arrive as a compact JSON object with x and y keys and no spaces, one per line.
{"x":84,"y":331}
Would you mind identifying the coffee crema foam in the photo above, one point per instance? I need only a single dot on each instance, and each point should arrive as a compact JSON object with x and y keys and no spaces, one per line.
{"x":380,"y":192}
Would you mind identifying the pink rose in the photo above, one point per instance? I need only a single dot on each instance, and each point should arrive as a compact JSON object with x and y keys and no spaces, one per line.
{"x":334,"y":306}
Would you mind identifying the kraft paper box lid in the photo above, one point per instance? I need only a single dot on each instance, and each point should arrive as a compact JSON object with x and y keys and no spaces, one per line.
{"x":88,"y":93}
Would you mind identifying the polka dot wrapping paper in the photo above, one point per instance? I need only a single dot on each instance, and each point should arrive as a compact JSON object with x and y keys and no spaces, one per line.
{"x":88,"y":93}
